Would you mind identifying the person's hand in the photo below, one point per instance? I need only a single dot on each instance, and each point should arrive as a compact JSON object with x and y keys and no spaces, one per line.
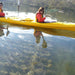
{"x":6,"y":13}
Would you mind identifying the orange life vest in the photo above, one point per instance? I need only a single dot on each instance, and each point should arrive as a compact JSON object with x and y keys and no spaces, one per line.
{"x":1,"y":10}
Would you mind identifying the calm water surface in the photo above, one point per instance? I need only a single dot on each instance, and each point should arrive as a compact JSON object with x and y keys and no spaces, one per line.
{"x":36,"y":51}
{"x":22,"y":52}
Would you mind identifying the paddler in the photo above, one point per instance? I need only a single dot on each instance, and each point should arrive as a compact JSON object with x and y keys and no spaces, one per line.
{"x":1,"y":10}
{"x":39,"y":15}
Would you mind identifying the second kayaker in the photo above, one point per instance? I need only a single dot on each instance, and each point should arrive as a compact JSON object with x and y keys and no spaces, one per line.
{"x":2,"y":14}
{"x":39,"y":15}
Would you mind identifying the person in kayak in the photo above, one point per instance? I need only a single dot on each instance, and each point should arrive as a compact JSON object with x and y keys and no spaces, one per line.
{"x":2,"y":14}
{"x":39,"y":15}
{"x":41,"y":19}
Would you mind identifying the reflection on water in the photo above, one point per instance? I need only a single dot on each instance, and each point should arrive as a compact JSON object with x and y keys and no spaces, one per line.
{"x":21,"y":55}
{"x":38,"y":35}
{"x":58,"y":32}
{"x":2,"y":30}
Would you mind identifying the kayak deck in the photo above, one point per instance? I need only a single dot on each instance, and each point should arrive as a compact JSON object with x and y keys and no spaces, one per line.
{"x":55,"y":25}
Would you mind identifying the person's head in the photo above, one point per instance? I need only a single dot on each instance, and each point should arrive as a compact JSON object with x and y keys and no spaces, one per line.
{"x":1,"y":4}
{"x":41,"y":10}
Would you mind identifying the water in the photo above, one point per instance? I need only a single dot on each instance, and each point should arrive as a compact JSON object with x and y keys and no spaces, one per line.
{"x":22,"y":53}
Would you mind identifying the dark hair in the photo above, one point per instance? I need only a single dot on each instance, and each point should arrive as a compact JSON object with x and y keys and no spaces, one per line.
{"x":1,"y":3}
{"x":41,"y":9}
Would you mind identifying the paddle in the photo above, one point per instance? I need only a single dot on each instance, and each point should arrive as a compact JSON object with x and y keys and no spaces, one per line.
{"x":27,"y":19}
{"x":44,"y":44}
{"x":18,"y":6}
{"x":7,"y":31}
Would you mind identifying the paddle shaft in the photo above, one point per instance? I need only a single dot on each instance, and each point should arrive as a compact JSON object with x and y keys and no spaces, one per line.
{"x":18,"y":6}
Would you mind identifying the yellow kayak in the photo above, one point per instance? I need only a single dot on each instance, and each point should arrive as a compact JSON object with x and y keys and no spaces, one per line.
{"x":30,"y":22}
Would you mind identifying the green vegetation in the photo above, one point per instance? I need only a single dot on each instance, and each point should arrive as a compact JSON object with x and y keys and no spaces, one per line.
{"x":59,"y":4}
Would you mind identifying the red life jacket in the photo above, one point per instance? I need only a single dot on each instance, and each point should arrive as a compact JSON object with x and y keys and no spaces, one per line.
{"x":39,"y":18}
{"x":2,"y":14}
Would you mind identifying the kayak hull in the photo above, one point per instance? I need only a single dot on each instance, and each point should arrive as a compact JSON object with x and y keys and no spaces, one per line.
{"x":55,"y":25}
